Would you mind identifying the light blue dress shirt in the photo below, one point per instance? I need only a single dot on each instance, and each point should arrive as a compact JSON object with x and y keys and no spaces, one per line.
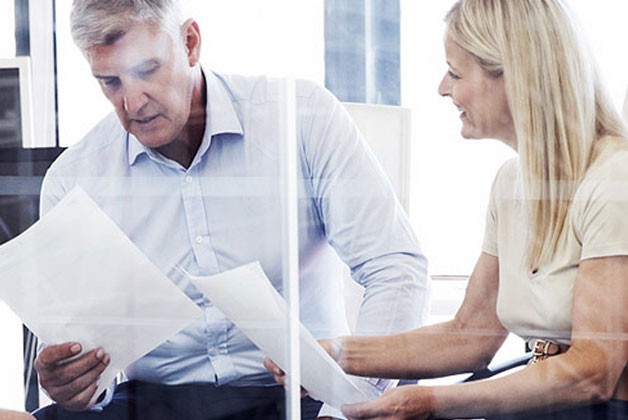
{"x":224,"y":211}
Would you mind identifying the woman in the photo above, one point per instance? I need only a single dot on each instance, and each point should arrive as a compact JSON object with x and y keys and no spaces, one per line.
{"x":14,"y":415}
{"x":554,"y":266}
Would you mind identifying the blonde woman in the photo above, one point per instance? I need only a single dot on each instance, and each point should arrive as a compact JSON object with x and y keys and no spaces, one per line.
{"x":14,"y":415}
{"x":554,"y":266}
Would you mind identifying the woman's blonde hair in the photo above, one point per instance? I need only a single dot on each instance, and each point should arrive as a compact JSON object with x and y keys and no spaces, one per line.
{"x":558,"y":105}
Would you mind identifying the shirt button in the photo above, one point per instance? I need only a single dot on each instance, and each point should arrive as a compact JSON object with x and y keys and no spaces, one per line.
{"x":188,"y":179}
{"x":199,"y":239}
{"x":214,"y":352}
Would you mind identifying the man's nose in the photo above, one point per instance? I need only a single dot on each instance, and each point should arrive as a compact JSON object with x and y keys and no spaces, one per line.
{"x":134,"y":101}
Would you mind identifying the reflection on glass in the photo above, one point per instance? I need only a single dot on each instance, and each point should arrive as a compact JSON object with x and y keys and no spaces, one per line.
{"x":10,"y":120}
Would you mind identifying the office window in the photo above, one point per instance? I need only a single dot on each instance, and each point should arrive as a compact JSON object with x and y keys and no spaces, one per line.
{"x":362,"y":57}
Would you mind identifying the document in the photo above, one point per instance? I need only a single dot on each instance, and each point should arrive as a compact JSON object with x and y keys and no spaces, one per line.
{"x":246,"y":296}
{"x":75,"y":276}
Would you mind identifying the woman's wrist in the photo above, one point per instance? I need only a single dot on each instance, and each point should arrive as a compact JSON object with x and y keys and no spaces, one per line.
{"x":355,"y":355}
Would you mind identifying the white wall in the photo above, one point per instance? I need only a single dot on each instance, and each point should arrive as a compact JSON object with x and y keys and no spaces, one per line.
{"x":7,"y":29}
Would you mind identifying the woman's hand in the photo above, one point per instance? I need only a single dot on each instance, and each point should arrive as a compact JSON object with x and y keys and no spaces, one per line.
{"x":409,"y":402}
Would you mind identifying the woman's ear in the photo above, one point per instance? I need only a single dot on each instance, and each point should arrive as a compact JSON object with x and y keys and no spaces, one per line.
{"x":192,"y":41}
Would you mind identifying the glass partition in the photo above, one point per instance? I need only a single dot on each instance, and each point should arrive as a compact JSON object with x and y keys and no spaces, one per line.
{"x":237,"y":204}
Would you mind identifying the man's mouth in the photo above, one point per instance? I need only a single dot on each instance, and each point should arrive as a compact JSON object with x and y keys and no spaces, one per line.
{"x":145,"y":120}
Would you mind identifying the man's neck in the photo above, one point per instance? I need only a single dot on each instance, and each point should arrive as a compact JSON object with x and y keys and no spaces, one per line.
{"x":184,"y":148}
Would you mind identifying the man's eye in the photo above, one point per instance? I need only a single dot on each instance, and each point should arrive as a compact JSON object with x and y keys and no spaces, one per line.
{"x":110,"y":83}
{"x":147,"y":72}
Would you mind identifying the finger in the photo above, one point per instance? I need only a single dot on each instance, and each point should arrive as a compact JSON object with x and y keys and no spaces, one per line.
{"x":72,"y":377}
{"x":80,"y":401}
{"x":77,"y":386}
{"x":61,"y":373}
{"x":278,"y":374}
{"x":54,"y":354}
{"x":272,"y":367}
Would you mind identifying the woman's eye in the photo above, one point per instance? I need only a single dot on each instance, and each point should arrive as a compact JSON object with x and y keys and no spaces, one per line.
{"x":453,"y":75}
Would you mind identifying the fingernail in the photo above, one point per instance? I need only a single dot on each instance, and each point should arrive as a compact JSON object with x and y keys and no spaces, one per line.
{"x":75,"y":348}
{"x":99,"y":354}
{"x":106,"y":359}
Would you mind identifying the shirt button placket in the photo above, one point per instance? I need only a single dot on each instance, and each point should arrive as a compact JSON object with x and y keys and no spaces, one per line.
{"x":197,"y":219}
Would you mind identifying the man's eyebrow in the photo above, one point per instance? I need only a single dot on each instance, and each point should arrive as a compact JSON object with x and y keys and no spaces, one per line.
{"x":151,"y":62}
{"x":102,"y":76}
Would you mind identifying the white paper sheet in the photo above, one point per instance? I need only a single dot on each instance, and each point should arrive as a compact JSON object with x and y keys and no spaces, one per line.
{"x":246,"y":296}
{"x":75,"y":276}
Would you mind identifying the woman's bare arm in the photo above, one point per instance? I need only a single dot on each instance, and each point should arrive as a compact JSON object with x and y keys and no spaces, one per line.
{"x":468,"y":342}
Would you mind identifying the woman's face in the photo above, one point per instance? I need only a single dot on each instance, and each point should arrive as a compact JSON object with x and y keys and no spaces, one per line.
{"x":480,"y":98}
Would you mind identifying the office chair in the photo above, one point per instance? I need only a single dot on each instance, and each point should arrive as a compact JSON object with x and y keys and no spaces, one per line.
{"x":500,"y":367}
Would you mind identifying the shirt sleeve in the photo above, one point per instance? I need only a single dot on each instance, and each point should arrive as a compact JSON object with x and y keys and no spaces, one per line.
{"x":363,"y":219}
{"x":52,"y":191}
{"x":599,"y":210}
{"x":489,"y":244}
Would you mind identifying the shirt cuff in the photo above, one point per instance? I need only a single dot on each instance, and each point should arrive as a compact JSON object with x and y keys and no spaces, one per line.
{"x":104,"y":399}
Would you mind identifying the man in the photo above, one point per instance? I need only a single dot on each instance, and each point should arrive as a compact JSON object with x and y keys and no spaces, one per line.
{"x":189,"y":169}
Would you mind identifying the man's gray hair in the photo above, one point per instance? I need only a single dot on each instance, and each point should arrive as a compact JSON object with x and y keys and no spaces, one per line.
{"x":103,"y":22}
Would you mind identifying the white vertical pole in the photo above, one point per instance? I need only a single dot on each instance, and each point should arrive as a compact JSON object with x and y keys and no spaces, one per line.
{"x":43,"y":73}
{"x":11,"y":358}
{"x":369,"y":55}
{"x":290,"y":242}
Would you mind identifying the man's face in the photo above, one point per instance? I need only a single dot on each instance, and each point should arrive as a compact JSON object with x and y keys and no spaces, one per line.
{"x":147,"y":75}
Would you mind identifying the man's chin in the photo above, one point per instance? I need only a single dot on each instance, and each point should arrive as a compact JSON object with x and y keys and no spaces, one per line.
{"x":151,"y":141}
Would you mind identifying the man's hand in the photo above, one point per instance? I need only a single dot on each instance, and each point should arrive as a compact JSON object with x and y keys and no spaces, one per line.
{"x":69,"y":380}
{"x":330,"y":346}
{"x":280,"y":377}
{"x":278,"y":374}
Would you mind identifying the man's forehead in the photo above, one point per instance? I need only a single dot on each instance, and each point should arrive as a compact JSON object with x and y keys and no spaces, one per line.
{"x":140,"y":37}
{"x":132,"y":50}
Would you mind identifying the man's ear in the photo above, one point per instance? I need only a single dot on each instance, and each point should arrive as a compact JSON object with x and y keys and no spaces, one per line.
{"x":192,"y":41}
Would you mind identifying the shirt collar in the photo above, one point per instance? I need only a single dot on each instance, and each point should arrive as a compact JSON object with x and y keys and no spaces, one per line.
{"x":221,"y":118}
